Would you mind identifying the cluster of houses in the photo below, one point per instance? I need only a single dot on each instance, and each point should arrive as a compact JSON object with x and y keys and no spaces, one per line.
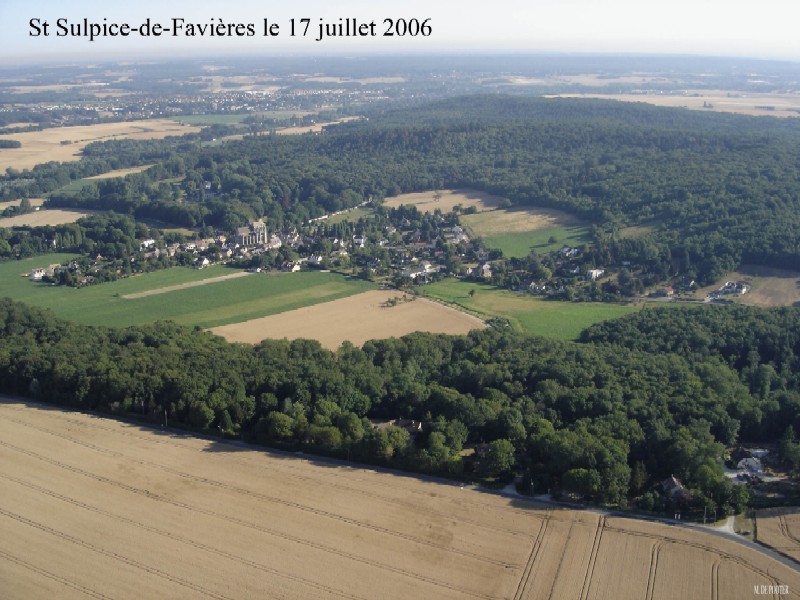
{"x":52,"y":271}
{"x":749,"y":462}
{"x":40,"y":273}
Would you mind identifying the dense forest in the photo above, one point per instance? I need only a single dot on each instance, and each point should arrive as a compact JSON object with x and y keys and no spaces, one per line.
{"x":606,"y":420}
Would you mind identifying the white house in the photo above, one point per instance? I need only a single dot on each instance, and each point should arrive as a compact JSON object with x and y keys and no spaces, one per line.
{"x":594,"y":274}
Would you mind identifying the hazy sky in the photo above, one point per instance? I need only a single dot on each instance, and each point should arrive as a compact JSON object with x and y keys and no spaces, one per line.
{"x":766,"y":29}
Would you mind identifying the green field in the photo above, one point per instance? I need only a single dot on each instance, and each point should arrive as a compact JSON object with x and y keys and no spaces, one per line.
{"x":520,"y":244}
{"x":516,"y":231}
{"x":352,"y":215}
{"x":216,"y":303}
{"x":73,"y":188}
{"x":526,"y":313}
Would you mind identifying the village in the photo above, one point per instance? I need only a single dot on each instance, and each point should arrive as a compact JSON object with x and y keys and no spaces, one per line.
{"x":401,"y":247}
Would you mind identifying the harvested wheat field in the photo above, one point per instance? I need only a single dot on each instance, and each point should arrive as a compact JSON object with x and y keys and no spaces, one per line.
{"x":43,"y":217}
{"x":97,"y":508}
{"x":64,"y":144}
{"x":779,"y":528}
{"x":446,"y":201}
{"x":365,"y":316}
{"x":34,"y":202}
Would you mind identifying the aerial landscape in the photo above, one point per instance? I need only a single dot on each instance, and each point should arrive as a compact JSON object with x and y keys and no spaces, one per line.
{"x":316,"y":303}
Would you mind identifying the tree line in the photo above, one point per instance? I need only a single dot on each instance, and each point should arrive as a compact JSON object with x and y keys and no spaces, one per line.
{"x":606,"y":419}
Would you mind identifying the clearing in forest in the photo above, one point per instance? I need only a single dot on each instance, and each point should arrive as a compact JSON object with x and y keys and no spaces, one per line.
{"x":93,"y":507}
{"x":445,"y":200}
{"x":517,"y":231}
{"x":376,"y":314}
{"x":315,"y":128}
{"x":65,"y":144}
{"x":768,"y":286}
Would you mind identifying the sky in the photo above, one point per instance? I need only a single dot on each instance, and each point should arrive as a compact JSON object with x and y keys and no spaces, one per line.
{"x":767,"y":29}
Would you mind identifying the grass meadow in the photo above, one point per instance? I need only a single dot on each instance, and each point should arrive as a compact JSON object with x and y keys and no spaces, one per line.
{"x":519,"y":230}
{"x":526,"y":313}
{"x":519,"y":244}
{"x":352,"y":215}
{"x":217,"y":303}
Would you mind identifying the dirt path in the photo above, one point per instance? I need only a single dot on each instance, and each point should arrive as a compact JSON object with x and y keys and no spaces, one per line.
{"x":181,"y":286}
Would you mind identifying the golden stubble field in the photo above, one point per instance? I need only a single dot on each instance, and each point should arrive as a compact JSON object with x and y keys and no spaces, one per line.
{"x":448,"y":199}
{"x":34,"y":202}
{"x":40,"y":218}
{"x":356,"y":318}
{"x":97,"y":508}
{"x":744,"y":103}
{"x":779,"y":528}
{"x":46,"y":145}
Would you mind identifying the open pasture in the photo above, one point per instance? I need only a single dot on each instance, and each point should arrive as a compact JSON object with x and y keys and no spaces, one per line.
{"x":162,"y":295}
{"x":447,"y":200}
{"x":358,"y":318}
{"x":98,"y":508}
{"x":64,"y":144}
{"x":526,"y":313}
{"x":779,"y":528}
